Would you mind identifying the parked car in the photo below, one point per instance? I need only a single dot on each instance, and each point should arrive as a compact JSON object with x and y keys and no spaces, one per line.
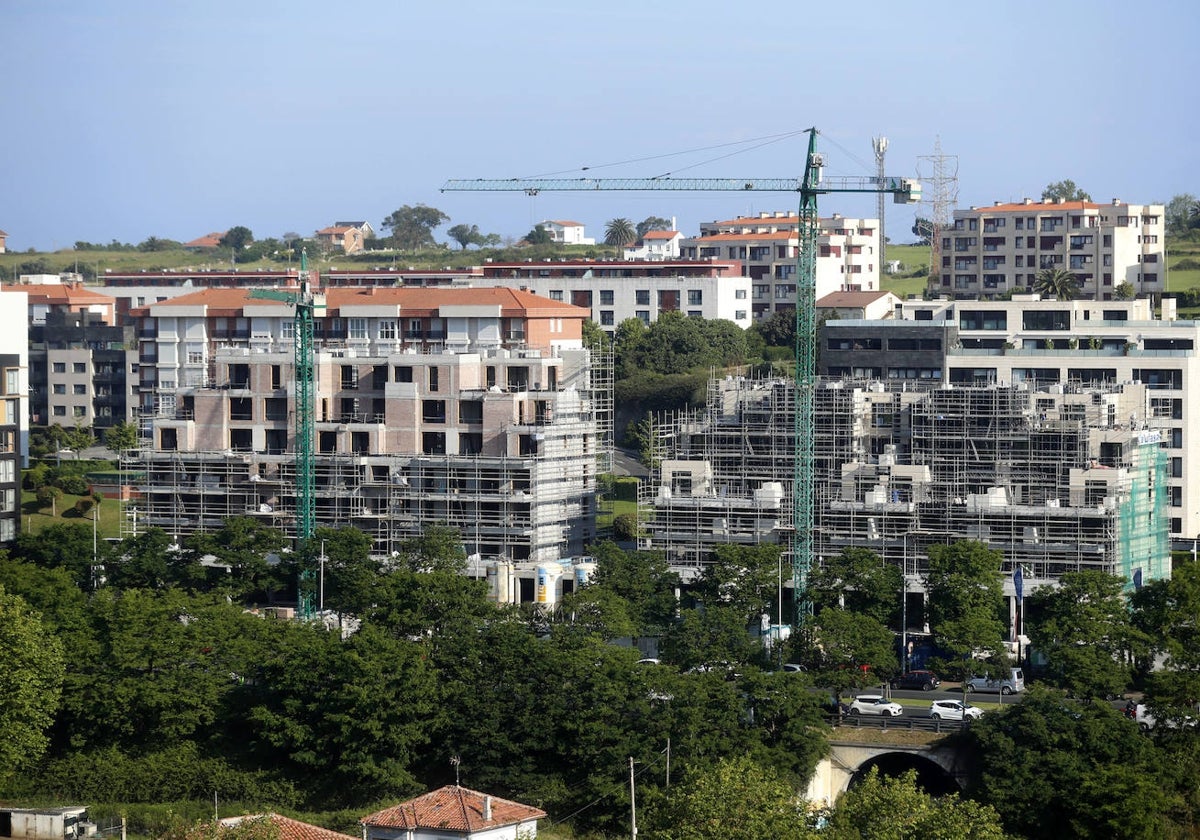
{"x":917,"y":680}
{"x":953,"y":710}
{"x":1146,"y":721}
{"x":1014,"y":683}
{"x":875,"y":704}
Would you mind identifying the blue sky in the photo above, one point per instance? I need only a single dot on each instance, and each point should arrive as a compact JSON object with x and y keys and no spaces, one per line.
{"x":124,"y":120}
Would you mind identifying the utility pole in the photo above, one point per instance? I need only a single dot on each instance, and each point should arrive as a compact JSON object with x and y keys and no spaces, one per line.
{"x":632,"y":803}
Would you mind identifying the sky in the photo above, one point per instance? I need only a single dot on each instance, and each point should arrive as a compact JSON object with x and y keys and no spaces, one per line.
{"x":129,"y":119}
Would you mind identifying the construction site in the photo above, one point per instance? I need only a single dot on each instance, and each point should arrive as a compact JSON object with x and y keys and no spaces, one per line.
{"x":1060,"y":478}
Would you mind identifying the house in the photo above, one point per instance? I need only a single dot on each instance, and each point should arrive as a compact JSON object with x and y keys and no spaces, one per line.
{"x":3,"y":240}
{"x":453,"y":812}
{"x":566,"y":232}
{"x":873,"y":306}
{"x":350,"y":237}
{"x":45,"y":823}
{"x":655,"y":245}
{"x":288,"y":828}
{"x":209,"y":240}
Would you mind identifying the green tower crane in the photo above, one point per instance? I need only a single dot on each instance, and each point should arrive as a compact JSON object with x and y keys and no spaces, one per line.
{"x":308,"y":305}
{"x":809,"y":186}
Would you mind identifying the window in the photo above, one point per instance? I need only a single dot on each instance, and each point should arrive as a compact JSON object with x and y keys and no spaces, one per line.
{"x":60,"y":367}
{"x":739,"y":294}
{"x":60,"y":388}
{"x":287,"y":329}
{"x":79,"y":367}
{"x":606,"y":297}
{"x":349,"y":378}
{"x":642,"y":297}
{"x":739,"y":315}
{"x":79,"y":411}
{"x":433,"y":411}
{"x":695,"y":313}
{"x":556,"y":294}
{"x":60,"y":411}
{"x":433,"y":443}
{"x":358,"y":328}
{"x":643,"y":316}
{"x":7,"y":470}
{"x":695,"y":297}
{"x":10,"y":381}
{"x":403,"y":373}
{"x":387,"y":330}
{"x":433,"y":380}
{"x":79,"y":390}
{"x":606,"y":318}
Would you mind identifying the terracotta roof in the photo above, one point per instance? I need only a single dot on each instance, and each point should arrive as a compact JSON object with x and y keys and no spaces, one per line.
{"x":562,"y":223}
{"x":209,"y":240}
{"x":839,"y":299}
{"x":411,"y":301}
{"x":454,"y":808}
{"x":661,"y":234}
{"x":63,"y":294}
{"x":742,"y":237}
{"x":761,"y":220}
{"x":290,"y":829}
{"x":1038,"y":206}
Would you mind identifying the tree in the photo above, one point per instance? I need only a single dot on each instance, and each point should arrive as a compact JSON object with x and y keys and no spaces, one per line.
{"x":1124,"y":291}
{"x":619,"y":231}
{"x":643,"y":579}
{"x":1166,"y":610}
{"x":746,"y":577}
{"x":652,"y":223}
{"x":1056,"y":282}
{"x":735,"y":799}
{"x":1056,"y":768}
{"x":78,"y":439}
{"x":848,"y":651}
{"x":412,"y":226}
{"x":352,"y":577}
{"x":923,"y":230}
{"x":858,"y":580}
{"x":121,"y":437}
{"x":1084,"y":629}
{"x":966,"y":601}
{"x":31,"y":674}
{"x":778,"y":330}
{"x":539,"y":236}
{"x":1178,"y":213}
{"x":897,"y":809}
{"x":244,"y":544}
{"x":236,"y":238}
{"x":466,"y":235}
{"x":48,"y":496}
{"x":1064,"y":190}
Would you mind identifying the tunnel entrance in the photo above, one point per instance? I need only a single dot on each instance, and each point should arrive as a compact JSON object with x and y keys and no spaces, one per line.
{"x":931,"y":778}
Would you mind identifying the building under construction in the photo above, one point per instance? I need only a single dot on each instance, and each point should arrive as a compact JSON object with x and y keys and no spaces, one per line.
{"x":1058,"y":478}
{"x":478,"y":409}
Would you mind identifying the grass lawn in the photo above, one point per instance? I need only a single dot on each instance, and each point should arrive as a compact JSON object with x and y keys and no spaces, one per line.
{"x":34,"y":517}
{"x":914,"y":260}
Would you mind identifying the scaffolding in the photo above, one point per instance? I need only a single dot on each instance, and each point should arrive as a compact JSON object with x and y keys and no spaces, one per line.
{"x":1054,"y":478}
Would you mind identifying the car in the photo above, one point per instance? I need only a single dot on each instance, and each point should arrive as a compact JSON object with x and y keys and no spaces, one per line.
{"x":875,"y":704}
{"x":792,"y":668}
{"x":1014,"y":683}
{"x":1146,"y":721}
{"x":953,"y":710}
{"x":918,"y":680}
{"x":649,"y":660}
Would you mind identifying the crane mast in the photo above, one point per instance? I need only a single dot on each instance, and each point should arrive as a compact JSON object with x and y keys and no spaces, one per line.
{"x":809,"y":186}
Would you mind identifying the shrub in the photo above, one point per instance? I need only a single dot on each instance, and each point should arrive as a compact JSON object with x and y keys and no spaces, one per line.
{"x":82,"y":506}
{"x":625,"y":527}
{"x":76,"y":485}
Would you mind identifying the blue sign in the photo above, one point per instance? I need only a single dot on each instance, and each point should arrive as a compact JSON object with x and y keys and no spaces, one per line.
{"x":1019,"y":583}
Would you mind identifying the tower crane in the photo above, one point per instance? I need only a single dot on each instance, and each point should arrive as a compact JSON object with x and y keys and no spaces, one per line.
{"x":809,"y":186}
{"x":309,"y":305}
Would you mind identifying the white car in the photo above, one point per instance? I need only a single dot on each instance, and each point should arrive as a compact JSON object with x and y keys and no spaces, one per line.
{"x":875,"y":704}
{"x":953,"y":710}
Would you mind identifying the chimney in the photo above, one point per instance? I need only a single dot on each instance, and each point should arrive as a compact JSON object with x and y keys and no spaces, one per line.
{"x":487,"y":809}
{"x":1027,"y":201}
{"x":1060,"y":200}
{"x":1116,"y":202}
{"x":997,"y":203}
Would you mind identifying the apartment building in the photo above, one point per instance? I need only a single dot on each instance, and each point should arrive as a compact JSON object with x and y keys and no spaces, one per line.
{"x":12,"y":392}
{"x":1055,"y":477}
{"x":615,"y":290}
{"x":1031,"y":343}
{"x":476,"y":408}
{"x":768,"y":245}
{"x":991,"y":251}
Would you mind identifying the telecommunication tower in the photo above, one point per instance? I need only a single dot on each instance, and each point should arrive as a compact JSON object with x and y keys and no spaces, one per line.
{"x":941,"y":198}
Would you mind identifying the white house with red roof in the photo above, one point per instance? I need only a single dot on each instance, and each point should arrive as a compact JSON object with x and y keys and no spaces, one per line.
{"x":566,"y":232}
{"x":288,"y":828}
{"x":3,"y":241}
{"x":453,"y":812}
{"x":209,"y":240}
{"x":858,"y":306}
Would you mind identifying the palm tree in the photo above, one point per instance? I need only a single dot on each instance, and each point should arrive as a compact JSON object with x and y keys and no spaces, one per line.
{"x":619,"y":232}
{"x":1058,"y":282}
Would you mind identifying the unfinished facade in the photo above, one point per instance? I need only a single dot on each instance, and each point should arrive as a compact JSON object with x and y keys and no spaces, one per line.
{"x":473,"y":408}
{"x":1056,"y":478}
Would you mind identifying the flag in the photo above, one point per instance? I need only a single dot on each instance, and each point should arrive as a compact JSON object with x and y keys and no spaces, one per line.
{"x":1019,"y":583}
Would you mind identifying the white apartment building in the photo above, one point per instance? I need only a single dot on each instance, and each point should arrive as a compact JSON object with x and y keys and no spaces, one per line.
{"x":993,"y":250}
{"x":768,"y":246}
{"x":474,"y":408}
{"x":615,"y":290}
{"x":655,"y":245}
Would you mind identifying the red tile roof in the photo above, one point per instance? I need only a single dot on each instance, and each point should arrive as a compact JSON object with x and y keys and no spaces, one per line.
{"x":742,"y":237}
{"x":209,"y":240}
{"x":454,"y":808}
{"x":839,"y":299}
{"x":1039,"y":206}
{"x":415,"y":301}
{"x":290,"y":829}
{"x":61,"y":294}
{"x":563,"y":223}
{"x":661,"y":234}
{"x":335,"y":230}
{"x":749,"y":221}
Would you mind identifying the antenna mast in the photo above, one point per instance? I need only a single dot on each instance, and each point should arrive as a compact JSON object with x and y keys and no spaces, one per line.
{"x":880,"y":144}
